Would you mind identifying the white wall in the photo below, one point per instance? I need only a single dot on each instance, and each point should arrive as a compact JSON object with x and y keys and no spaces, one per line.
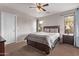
{"x":24,"y":23}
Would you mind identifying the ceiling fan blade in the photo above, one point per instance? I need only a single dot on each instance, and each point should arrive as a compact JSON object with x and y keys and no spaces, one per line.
{"x":45,"y":4}
{"x":43,"y":9}
{"x":32,"y":7}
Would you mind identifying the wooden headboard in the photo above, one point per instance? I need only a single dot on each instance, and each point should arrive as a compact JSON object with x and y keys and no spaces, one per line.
{"x":50,"y":28}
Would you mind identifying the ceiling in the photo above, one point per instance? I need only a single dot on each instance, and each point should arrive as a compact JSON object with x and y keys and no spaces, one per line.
{"x":53,"y":8}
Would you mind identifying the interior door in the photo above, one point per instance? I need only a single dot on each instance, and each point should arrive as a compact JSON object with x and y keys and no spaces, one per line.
{"x":8,"y":27}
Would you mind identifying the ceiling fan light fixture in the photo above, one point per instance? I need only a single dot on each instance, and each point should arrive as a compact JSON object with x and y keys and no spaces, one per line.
{"x":39,"y":10}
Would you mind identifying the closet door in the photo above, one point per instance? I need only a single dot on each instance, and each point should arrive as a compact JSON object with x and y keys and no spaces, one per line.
{"x":8,"y":22}
{"x":76,"y":32}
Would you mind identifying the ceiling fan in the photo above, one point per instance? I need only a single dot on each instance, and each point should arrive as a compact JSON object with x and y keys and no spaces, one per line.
{"x":40,"y":7}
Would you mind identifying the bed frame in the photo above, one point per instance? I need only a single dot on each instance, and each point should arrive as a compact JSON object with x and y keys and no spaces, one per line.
{"x":43,"y":47}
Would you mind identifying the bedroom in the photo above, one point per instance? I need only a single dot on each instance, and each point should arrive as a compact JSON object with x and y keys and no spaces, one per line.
{"x":19,"y":19}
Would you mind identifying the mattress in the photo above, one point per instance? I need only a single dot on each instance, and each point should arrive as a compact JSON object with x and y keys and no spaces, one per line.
{"x":43,"y":37}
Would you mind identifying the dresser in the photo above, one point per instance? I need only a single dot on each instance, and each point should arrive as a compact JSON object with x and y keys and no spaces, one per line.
{"x":68,"y":39}
{"x":2,"y":46}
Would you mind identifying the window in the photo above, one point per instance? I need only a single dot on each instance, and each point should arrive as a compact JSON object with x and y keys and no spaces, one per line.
{"x":69,"y":24}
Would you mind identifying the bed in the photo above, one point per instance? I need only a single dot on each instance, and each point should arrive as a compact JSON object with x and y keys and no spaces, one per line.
{"x":46,"y":40}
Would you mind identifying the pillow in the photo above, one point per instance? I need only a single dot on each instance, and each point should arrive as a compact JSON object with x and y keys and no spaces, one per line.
{"x":46,"y":30}
{"x":54,"y":30}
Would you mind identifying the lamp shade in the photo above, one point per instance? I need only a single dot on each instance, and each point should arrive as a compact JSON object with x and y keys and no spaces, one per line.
{"x":40,"y":22}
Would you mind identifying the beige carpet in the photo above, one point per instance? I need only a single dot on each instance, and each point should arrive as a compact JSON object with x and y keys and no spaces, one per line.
{"x":21,"y":49}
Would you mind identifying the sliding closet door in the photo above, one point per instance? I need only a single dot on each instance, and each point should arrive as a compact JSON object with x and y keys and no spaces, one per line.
{"x":76,"y":36}
{"x":8,"y":27}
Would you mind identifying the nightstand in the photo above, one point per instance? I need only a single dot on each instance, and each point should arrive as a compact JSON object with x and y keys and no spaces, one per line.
{"x":68,"y":38}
